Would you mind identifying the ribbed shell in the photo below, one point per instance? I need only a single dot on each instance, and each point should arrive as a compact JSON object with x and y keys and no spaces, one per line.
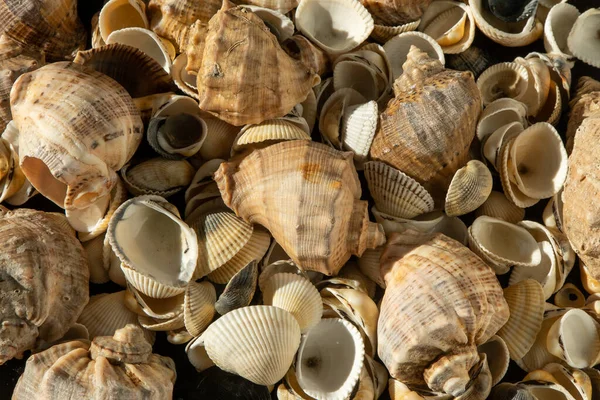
{"x":498,"y":206}
{"x":306,"y":194}
{"x":158,"y":176}
{"x":268,"y":132}
{"x":440,"y":303}
{"x":470,"y":188}
{"x":199,"y":306}
{"x":396,"y":12}
{"x":43,"y":292}
{"x":239,"y":290}
{"x":80,"y":124}
{"x":583,"y":39}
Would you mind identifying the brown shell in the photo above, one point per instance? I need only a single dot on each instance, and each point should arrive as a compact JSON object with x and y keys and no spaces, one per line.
{"x":441,"y":301}
{"x":43,"y":292}
{"x":396,"y":12}
{"x":302,"y":49}
{"x":585,"y":103}
{"x":238,"y":46}
{"x":307,"y":195}
{"x":426,"y":130}
{"x":52,"y":25}
{"x":77,"y":127}
{"x":119,"y":367}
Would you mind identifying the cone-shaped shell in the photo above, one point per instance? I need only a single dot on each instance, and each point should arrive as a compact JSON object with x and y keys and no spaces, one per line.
{"x":315,"y":177}
{"x":239,"y":290}
{"x":228,"y":85}
{"x":470,"y":188}
{"x":157,"y":176}
{"x":583,"y":39}
{"x":396,"y":12}
{"x":427,"y":335}
{"x":119,"y":14}
{"x":77,"y":171}
{"x":158,"y":250}
{"x":199,"y":306}
{"x":297,"y":295}
{"x":255,"y":342}
{"x":575,"y":338}
{"x":43,"y":291}
{"x":399,"y":140}
{"x":498,"y":206}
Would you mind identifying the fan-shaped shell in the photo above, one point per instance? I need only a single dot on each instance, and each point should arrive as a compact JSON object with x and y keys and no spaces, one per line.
{"x":368,"y":264}
{"x":470,"y":188}
{"x":120,"y":14}
{"x":498,"y":357}
{"x":239,"y":290}
{"x":157,"y":176}
{"x":583,"y":39}
{"x":383,"y":33}
{"x":268,"y":132}
{"x":219,"y":139}
{"x":199,"y":306}
{"x":146,"y":41}
{"x":498,"y":206}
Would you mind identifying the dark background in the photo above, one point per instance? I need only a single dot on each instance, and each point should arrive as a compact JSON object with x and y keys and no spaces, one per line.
{"x":216,"y":385}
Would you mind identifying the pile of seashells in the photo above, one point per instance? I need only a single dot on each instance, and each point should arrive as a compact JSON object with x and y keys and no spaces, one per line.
{"x":220,"y":163}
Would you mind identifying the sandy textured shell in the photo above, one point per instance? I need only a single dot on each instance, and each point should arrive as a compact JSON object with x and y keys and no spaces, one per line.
{"x":399,"y":47}
{"x":109,"y":367}
{"x":434,"y":333}
{"x":569,"y":296}
{"x":43,"y":292}
{"x":498,"y":357}
{"x":499,"y":113}
{"x":396,"y":12}
{"x":53,"y":26}
{"x":120,"y":14}
{"x":470,"y":188}
{"x":451,"y":24}
{"x":583,"y":39}
{"x":498,"y":206}
{"x":227,"y":86}
{"x":77,"y":171}
{"x":296,"y":295}
{"x":383,"y":33}
{"x":302,"y":49}
{"x":268,"y":132}
{"x":585,"y":103}
{"x":199,"y":307}
{"x":255,"y":342}
{"x":157,"y":176}
{"x":315,"y":178}
{"x":239,"y":290}
{"x":559,"y":23}
{"x":146,"y":41}
{"x":398,"y":141}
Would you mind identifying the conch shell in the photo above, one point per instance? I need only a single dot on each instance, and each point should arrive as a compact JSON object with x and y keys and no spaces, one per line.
{"x":430,"y":336}
{"x":238,"y":46}
{"x":70,"y":149}
{"x":396,"y":12}
{"x":43,"y":292}
{"x":414,"y":137}
{"x":307,"y":195}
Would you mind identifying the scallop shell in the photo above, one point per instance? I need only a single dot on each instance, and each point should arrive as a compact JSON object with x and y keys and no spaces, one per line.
{"x":383,"y":33}
{"x":474,"y":59}
{"x":470,"y":188}
{"x":575,"y":338}
{"x":255,"y":342}
{"x":498,"y":357}
{"x":160,"y":259}
{"x":177,"y":136}
{"x":359,"y":124}
{"x":302,"y":49}
{"x":396,"y":12}
{"x":146,"y":41}
{"x":330,"y":359}
{"x":157,"y":176}
{"x":110,"y":130}
{"x":569,"y":296}
{"x":337,"y":26}
{"x":498,"y":206}
{"x":559,"y":23}
{"x":302,"y":164}
{"x":199,"y":307}
{"x":332,"y":112}
{"x":451,"y":24}
{"x":119,"y":14}
{"x":399,"y":47}
{"x":499,"y":113}
{"x":268,"y":132}
{"x":239,"y":290}
{"x":583,"y":39}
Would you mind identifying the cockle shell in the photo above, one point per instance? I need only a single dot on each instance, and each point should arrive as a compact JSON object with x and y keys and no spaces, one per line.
{"x":383,"y":33}
{"x":109,"y":367}
{"x":202,"y":188}
{"x":146,"y":41}
{"x":43,"y":294}
{"x":398,"y":141}
{"x":559,"y":23}
{"x":498,"y":357}
{"x":279,"y":24}
{"x":499,"y":113}
{"x":589,"y":283}
{"x":199,"y":306}
{"x":507,"y":79}
{"x":495,"y":143}
{"x":470,"y":188}
{"x":451,"y":24}
{"x":302,"y":165}
{"x":239,"y":290}
{"x":396,"y":12}
{"x":219,"y":139}
{"x":177,"y":136}
{"x":576,"y":382}
{"x":249,"y":45}
{"x":498,"y":206}
{"x":119,"y":14}
{"x":77,"y":172}
{"x":575,"y":338}
{"x":583,"y":39}
{"x":332,"y":113}
{"x":157,"y":176}
{"x":430,"y":336}
{"x":302,"y":49}
{"x":268,"y":132}
{"x":185,"y":81}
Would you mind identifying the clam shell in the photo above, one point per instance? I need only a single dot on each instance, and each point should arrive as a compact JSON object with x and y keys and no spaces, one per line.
{"x":336,"y":26}
{"x":398,"y":47}
{"x":590,"y":284}
{"x":296,"y":295}
{"x":94,"y":250}
{"x":425,"y":223}
{"x":144,"y":40}
{"x":396,"y":12}
{"x":552,"y":108}
{"x":470,"y":188}
{"x":202,"y":178}
{"x":539,"y":83}
{"x":309,"y":110}
{"x":559,"y":23}
{"x":546,"y":272}
{"x":302,"y":49}
{"x":451,"y":24}
{"x":498,"y":206}
{"x":160,"y":259}
{"x":356,"y":279}
{"x":575,"y":381}
{"x":538,"y":356}
{"x":499,"y":113}
{"x":180,"y":336}
{"x":359,"y":123}
{"x":594,"y":375}
{"x":278,"y":267}
{"x":525,"y":301}
{"x":494,"y":142}
{"x":239,"y":290}
{"x":368,"y":264}
{"x":177,"y":136}
{"x":157,"y":176}
{"x":160,"y":309}
{"x":383,"y":33}
{"x":197,"y":355}
{"x":268,"y":132}
{"x":583,"y":39}
{"x":512,"y":191}
{"x":507,"y":79}
{"x":357,"y":75}
{"x":219,"y":139}
{"x":569,"y":296}
{"x":575,"y":338}
{"x":255,"y":342}
{"x":199,"y":307}
{"x":498,"y":357}
{"x":119,"y":14}
{"x":332,"y":112}
{"x":546,"y":390}
{"x":330,"y":359}
{"x":161,"y":325}
{"x":185,"y":81}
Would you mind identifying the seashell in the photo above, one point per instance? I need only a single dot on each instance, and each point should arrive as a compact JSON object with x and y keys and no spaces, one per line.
{"x":218,"y":85}
{"x":278,"y":267}
{"x":569,"y":297}
{"x":470,"y":188}
{"x":42,"y":295}
{"x":177,"y":136}
{"x":306,"y":163}
{"x":110,"y":130}
{"x":162,"y":325}
{"x":498,"y":357}
{"x":179,"y":337}
{"x":158,"y":260}
{"x":399,"y":47}
{"x":495,"y":142}
{"x":454,"y":228}
{"x":94,"y":250}
{"x":336,"y":26}
{"x":499,"y":113}
{"x":268,"y":132}
{"x":359,"y":123}
{"x":538,"y":356}
{"x":185,"y":81}
{"x":357,"y":75}
{"x":300,"y":48}
{"x":396,"y":12}
{"x":219,"y":139}
{"x":559,"y":23}
{"x":239,"y":290}
{"x":197,"y":355}
{"x":279,"y":25}
{"x":511,"y":190}
{"x":510,"y":34}
{"x":473,"y":59}
{"x":546,"y":272}
{"x":498,"y":206}
{"x":383,"y":33}
{"x":120,"y":14}
{"x":332,"y":112}
{"x":585,"y":103}
{"x":539,"y":83}
{"x":525,"y":301}
{"x":551,"y":111}
{"x":199,"y":307}
{"x":508,"y":79}
{"x":53,"y":27}
{"x":425,"y":223}
{"x":13,"y":178}
{"x":159,"y":309}
{"x":202,"y":189}
{"x":549,"y":390}
{"x":144,"y":40}
{"x":309,"y":110}
{"x":296,"y":295}
{"x":233,"y":342}
{"x":330,"y":359}
{"x":510,"y":391}
{"x":96,"y":38}
{"x":583,"y":38}
{"x":594,"y":375}
{"x":157,"y":176}
{"x":575,"y":338}
{"x":590,"y":284}
{"x":575,"y":381}
{"x":512,"y":11}
{"x":451,"y":24}
{"x":368,"y":264}
{"x":439,"y":355}
{"x":125,"y":360}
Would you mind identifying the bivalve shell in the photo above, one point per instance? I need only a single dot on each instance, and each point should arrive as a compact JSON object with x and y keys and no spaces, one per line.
{"x":469,"y":189}
{"x":177,"y":136}
{"x":498,"y":113}
{"x":583,"y":39}
{"x":398,"y":48}
{"x":157,"y":176}
{"x":498,"y":206}
{"x":569,"y":296}
{"x":383,"y":33}
{"x":119,"y":14}
{"x":239,"y":290}
{"x":575,"y":338}
{"x":559,"y":23}
{"x":451,"y":24}
{"x":146,"y":41}
{"x":198,"y":307}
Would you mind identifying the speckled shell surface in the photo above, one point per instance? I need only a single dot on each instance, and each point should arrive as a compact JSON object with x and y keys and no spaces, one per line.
{"x":42,"y":292}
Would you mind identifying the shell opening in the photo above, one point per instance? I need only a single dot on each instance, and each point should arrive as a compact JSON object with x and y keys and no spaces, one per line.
{"x":38,"y":173}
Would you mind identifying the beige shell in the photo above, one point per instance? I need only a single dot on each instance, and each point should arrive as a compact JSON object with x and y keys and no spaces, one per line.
{"x":569,"y":296}
{"x":368,"y":264}
{"x":585,"y":103}
{"x":507,"y":79}
{"x":199,"y":307}
{"x":43,"y":291}
{"x":396,"y":12}
{"x":470,"y":188}
{"x":433,"y":162}
{"x":255,"y":342}
{"x":120,"y":14}
{"x":451,"y":24}
{"x":118,"y":366}
{"x":590,"y":284}
{"x":239,"y":290}
{"x":498,"y":206}
{"x":429,"y":337}
{"x":575,"y":338}
{"x":398,"y":48}
{"x":499,"y":113}
{"x":77,"y":172}
{"x":583,"y":39}
{"x":494,"y":144}
{"x":383,"y":33}
{"x":498,"y":357}
{"x":332,"y":113}
{"x":302,"y":166}
{"x":268,"y":132}
{"x":157,"y":176}
{"x":249,"y":45}
{"x":557,"y":26}
{"x":538,"y":356}
{"x":302,"y":49}
{"x":219,"y":139}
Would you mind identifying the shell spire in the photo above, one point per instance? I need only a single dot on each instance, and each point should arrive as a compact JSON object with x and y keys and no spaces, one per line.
{"x":418,"y":66}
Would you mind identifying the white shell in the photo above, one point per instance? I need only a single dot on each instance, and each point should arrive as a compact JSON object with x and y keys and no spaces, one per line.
{"x":545,"y":272}
{"x":199,"y":306}
{"x":359,"y":124}
{"x":144,"y":40}
{"x":507,"y":79}
{"x":398,"y":47}
{"x":583,"y":40}
{"x":494,"y":142}
{"x":451,"y":24}
{"x":575,"y":338}
{"x":119,"y":14}
{"x":559,"y":23}
{"x":197,"y":355}
{"x":185,"y":81}
{"x":332,"y":112}
{"x":498,"y":113}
